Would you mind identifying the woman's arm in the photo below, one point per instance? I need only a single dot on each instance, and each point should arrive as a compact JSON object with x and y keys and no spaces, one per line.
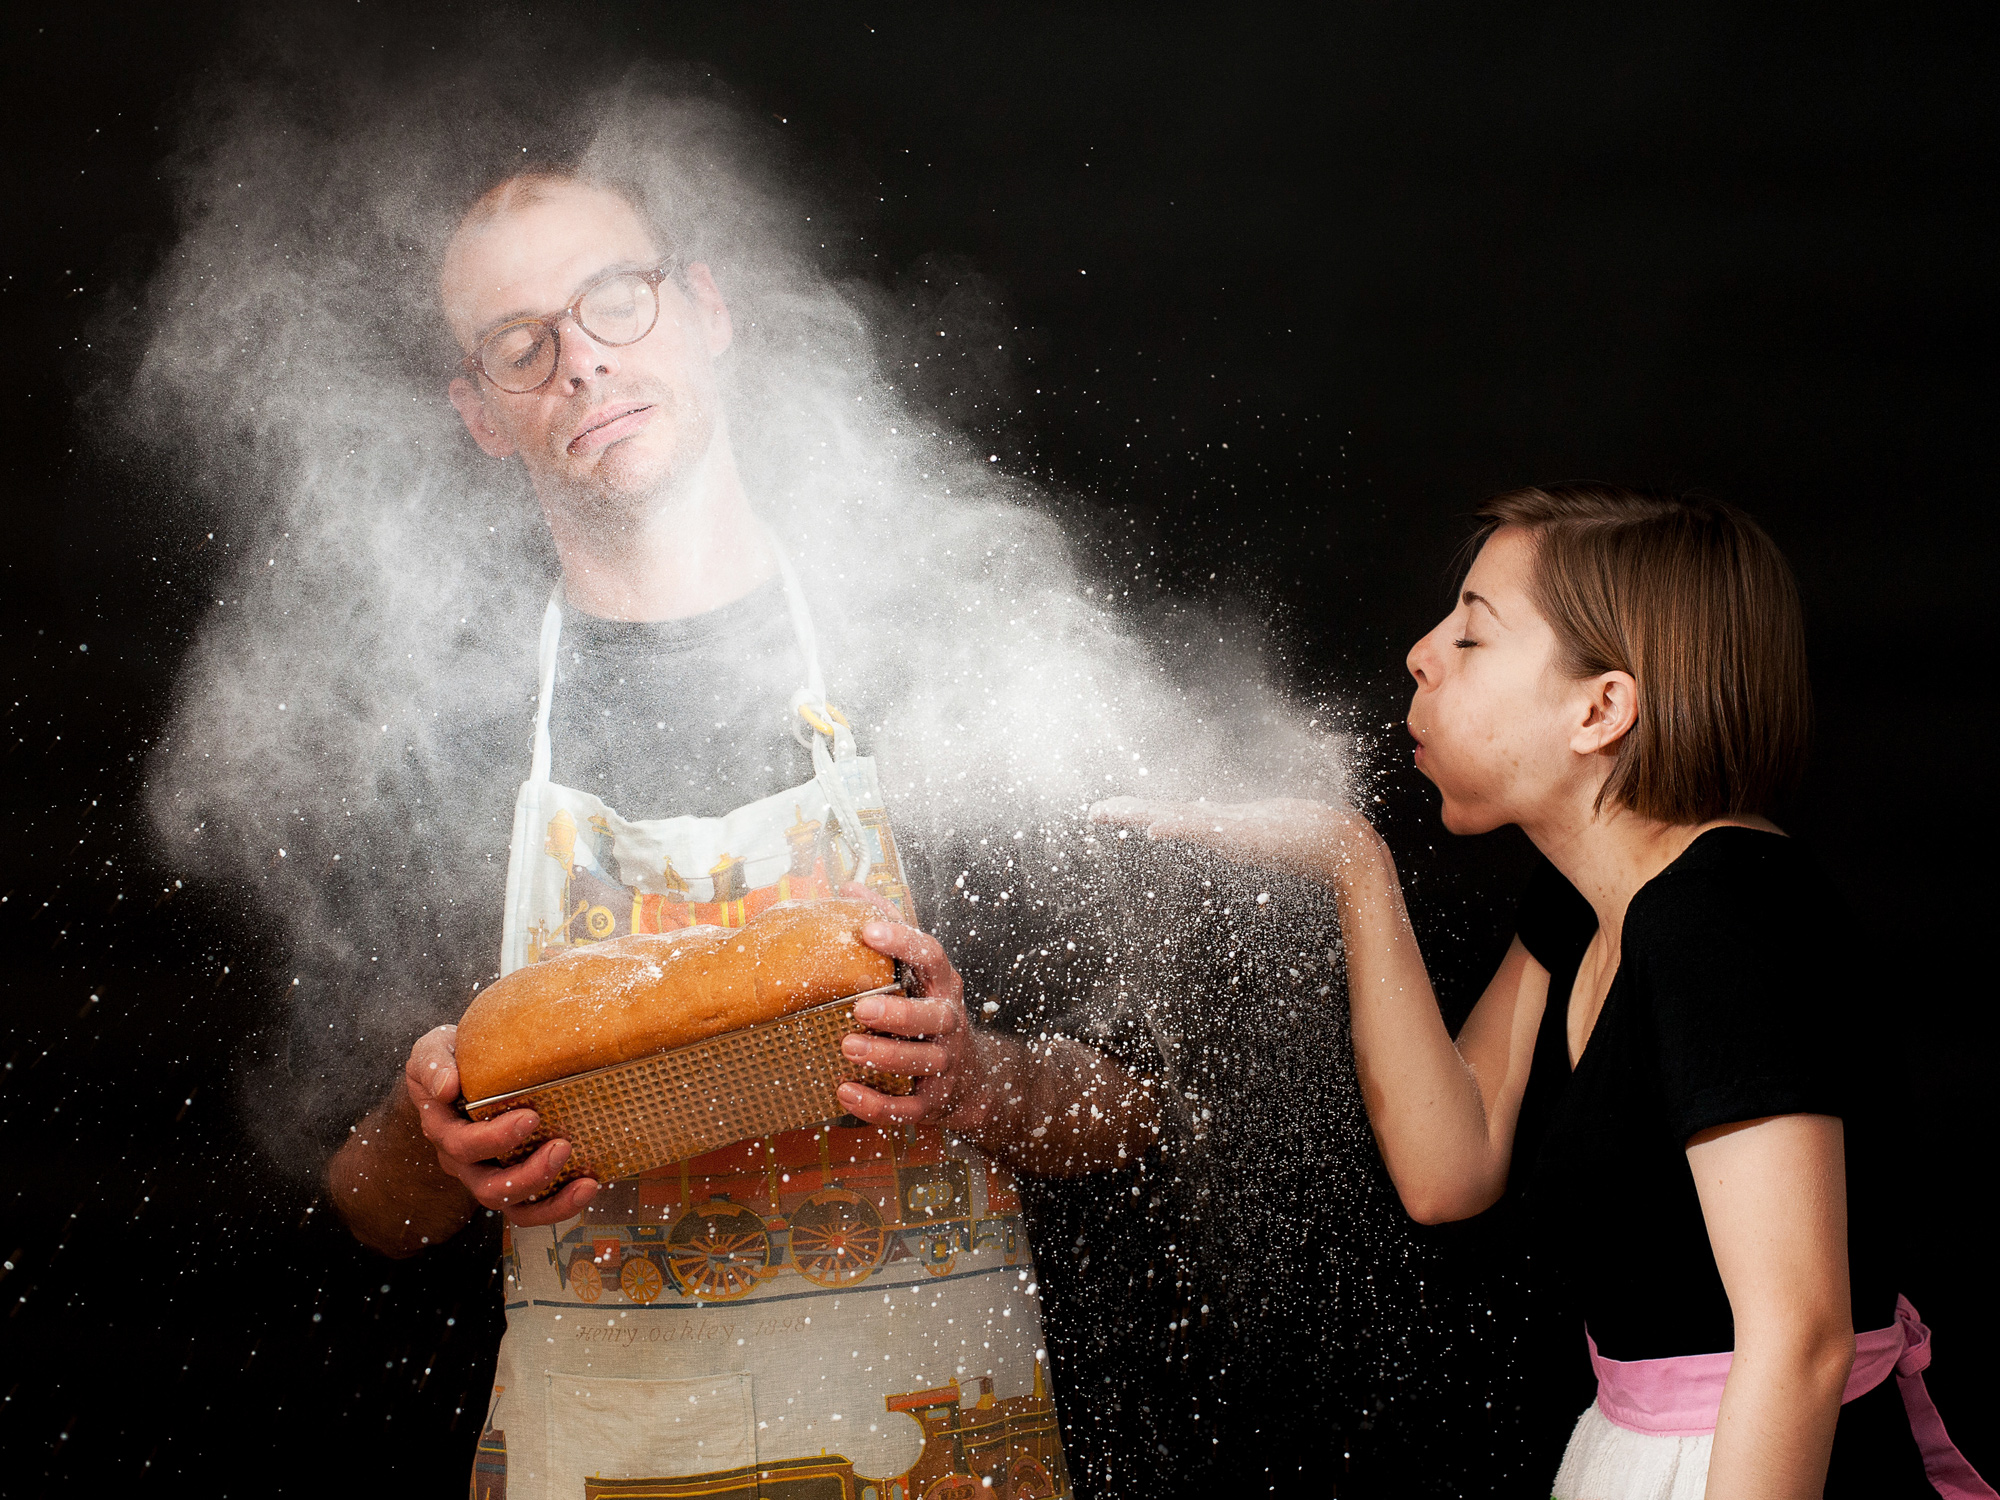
{"x":1443,"y":1114}
{"x":1774,"y":1195}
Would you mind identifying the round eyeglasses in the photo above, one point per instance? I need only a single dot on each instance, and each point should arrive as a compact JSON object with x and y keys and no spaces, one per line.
{"x":614,"y":310}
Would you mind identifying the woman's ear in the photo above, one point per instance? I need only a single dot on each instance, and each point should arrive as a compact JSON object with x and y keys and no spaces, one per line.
{"x":1610,"y":710}
{"x":472,"y":411}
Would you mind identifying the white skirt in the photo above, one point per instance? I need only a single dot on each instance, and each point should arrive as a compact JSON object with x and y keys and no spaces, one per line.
{"x":1607,"y":1462}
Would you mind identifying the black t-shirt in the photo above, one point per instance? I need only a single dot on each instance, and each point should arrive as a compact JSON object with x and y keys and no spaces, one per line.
{"x":692,"y":717}
{"x":680,"y":718}
{"x":1740,"y":993}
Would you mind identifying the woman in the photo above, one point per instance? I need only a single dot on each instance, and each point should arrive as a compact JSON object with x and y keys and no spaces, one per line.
{"x":1668,"y":1059}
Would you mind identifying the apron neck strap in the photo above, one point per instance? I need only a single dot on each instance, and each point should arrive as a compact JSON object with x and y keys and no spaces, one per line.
{"x":812,"y":693}
{"x":802,"y":625}
{"x":546,"y":656}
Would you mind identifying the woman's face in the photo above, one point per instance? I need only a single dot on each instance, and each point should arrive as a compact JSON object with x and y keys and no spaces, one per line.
{"x":1494,"y":718}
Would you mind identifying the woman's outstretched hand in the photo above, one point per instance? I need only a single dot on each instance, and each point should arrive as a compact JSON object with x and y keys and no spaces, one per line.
{"x":1443,"y":1115}
{"x":1283,"y":833}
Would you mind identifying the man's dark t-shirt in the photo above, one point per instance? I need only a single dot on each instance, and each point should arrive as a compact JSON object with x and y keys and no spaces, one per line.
{"x":680,"y":718}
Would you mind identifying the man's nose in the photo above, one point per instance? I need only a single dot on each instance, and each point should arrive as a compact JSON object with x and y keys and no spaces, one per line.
{"x":584,"y":359}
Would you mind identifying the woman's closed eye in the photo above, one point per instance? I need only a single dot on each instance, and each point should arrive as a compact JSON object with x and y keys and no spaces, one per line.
{"x":1464,"y":641}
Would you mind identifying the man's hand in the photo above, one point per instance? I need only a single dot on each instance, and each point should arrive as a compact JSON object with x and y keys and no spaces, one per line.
{"x":1060,"y":1110}
{"x":466,"y":1149}
{"x":927,"y":1036}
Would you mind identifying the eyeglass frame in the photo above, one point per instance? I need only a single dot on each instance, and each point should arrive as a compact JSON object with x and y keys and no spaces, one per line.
{"x":472,"y":365}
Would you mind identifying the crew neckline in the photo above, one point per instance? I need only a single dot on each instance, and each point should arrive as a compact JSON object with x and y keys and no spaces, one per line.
{"x":727,"y":618}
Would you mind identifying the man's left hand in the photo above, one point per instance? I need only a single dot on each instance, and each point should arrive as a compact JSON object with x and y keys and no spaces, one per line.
{"x":926,"y":1035}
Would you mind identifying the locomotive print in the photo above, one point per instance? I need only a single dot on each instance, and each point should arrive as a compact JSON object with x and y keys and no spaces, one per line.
{"x":832,"y":1204}
{"x":1006,"y":1449}
{"x":609,"y":895}
{"x":992,"y":1450}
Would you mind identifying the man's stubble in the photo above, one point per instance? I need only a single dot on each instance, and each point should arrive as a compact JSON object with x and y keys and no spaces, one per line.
{"x":609,"y":504}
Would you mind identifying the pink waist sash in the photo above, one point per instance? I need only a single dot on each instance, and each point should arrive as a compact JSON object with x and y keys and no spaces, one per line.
{"x":1681,"y":1396}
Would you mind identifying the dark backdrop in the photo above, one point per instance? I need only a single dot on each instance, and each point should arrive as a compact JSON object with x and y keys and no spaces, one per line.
{"x":1394,"y":258}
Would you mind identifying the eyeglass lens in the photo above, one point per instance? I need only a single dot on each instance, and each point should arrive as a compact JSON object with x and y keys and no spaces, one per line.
{"x":618,"y":310}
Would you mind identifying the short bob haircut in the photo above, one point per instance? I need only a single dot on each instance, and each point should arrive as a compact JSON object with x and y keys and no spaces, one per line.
{"x":1695,"y":601}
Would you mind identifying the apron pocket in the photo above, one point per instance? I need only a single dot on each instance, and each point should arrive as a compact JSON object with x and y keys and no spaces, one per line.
{"x":646,"y":1429}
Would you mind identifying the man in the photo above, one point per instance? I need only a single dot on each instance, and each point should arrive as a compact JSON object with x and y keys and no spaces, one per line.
{"x":592,"y":360}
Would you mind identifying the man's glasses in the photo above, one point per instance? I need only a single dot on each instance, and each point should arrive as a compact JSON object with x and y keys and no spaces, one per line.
{"x":614,"y":310}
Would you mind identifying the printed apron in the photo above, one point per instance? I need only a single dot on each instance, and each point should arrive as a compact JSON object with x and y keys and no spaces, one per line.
{"x":835,"y":1313}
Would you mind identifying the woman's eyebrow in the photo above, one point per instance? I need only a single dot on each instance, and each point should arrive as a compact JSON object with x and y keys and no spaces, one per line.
{"x":1470,"y":598}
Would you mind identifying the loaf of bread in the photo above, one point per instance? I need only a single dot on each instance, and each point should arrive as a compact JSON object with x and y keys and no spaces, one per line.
{"x":630,"y":997}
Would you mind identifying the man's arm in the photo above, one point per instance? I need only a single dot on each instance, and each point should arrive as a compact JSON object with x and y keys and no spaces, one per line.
{"x":388,"y":1185}
{"x":1055,"y":1108}
{"x":413,"y":1171}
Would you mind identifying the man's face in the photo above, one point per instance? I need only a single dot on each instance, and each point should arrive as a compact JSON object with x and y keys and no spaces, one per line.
{"x":615,"y":430}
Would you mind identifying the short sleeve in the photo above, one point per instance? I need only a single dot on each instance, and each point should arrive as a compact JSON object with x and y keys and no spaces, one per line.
{"x":1750,"y":999}
{"x":1555,"y":923}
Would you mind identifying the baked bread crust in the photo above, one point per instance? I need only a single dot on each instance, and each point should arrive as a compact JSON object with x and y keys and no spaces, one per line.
{"x":634,"y":996}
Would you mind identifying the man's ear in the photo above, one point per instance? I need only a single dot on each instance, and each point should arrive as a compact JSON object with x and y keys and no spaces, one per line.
{"x":710,"y":310}
{"x":1610,"y":711}
{"x":472,"y":411}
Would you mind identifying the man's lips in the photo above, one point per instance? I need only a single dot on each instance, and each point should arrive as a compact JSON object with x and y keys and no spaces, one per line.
{"x":610,"y":424}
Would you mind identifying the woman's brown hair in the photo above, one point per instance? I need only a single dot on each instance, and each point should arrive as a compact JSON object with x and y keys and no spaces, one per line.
{"x":1695,"y":601}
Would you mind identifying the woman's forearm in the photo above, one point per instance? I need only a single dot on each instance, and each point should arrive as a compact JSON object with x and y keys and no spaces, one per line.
{"x":1444,"y":1119}
{"x":1775,"y":1431}
{"x":1423,"y":1101}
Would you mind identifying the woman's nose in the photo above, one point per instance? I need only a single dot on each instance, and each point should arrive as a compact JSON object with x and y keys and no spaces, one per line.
{"x":1417,"y":660}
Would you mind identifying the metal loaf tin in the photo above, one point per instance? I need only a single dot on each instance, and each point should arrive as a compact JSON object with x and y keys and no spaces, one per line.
{"x":652,"y":1111}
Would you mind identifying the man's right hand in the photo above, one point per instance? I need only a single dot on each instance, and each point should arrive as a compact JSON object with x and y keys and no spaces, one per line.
{"x":467,"y":1150}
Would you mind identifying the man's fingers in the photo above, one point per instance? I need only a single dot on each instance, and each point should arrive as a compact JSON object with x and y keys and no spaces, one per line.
{"x":445,"y":1128}
{"x":878,"y":1108}
{"x":503,"y":1187}
{"x":433,"y":1066}
{"x":566,"y":1204}
{"x":917,"y":1059}
{"x":922,"y":952}
{"x":914,"y":1016}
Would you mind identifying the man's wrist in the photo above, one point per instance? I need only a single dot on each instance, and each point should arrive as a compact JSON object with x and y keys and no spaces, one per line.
{"x":978,"y":1109}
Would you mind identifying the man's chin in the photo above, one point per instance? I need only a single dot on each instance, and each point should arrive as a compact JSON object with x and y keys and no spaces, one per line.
{"x":622,"y":482}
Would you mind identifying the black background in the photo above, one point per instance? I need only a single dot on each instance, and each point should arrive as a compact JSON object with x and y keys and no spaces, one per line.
{"x":1394,"y":257}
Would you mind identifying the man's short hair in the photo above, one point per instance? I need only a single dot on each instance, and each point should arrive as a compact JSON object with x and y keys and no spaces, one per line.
{"x":521,"y":190}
